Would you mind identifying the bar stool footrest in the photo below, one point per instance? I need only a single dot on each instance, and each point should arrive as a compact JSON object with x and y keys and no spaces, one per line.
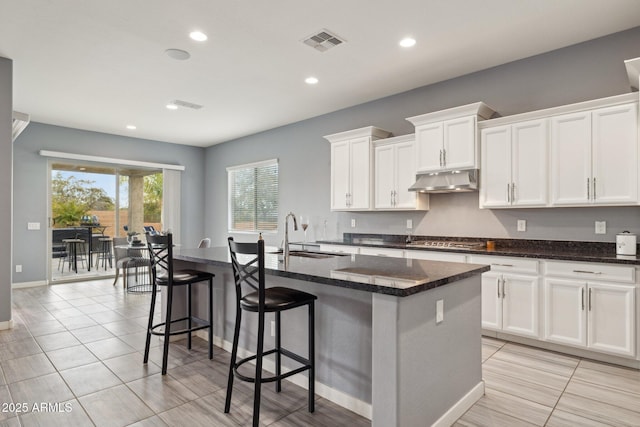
{"x":202,"y":324}
{"x":305,"y":362}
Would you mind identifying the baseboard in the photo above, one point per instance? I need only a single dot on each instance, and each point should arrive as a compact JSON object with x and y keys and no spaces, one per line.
{"x":461,"y":406}
{"x":29,"y":284}
{"x":336,"y":396}
{"x":6,"y":325}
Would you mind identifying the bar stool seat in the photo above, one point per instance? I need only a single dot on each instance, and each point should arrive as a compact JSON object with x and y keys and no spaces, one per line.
{"x":263,"y":300}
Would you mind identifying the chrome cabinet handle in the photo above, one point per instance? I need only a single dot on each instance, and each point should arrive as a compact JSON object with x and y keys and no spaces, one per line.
{"x":444,"y":157}
{"x":508,"y":193}
{"x":587,"y":272}
{"x":504,"y":294}
{"x":590,"y":298}
{"x":502,"y":265}
{"x":395,"y":198}
{"x":513,"y":192}
{"x":588,"y":189}
{"x":498,"y":286}
{"x":582,"y":297}
{"x":594,"y":188}
{"x":441,"y":164}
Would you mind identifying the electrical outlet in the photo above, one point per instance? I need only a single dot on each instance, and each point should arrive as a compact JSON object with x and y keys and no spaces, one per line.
{"x":18,"y":268}
{"x":439,"y":311}
{"x":353,"y":223}
{"x":601,"y":227}
{"x":522,"y":225}
{"x":273,"y":328}
{"x":409,"y":224}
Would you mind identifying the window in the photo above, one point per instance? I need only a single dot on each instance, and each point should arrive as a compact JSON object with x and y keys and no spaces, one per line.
{"x":253,"y":196}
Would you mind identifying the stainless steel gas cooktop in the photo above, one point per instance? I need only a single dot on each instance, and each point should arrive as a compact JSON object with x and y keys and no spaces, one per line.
{"x":446,"y":244}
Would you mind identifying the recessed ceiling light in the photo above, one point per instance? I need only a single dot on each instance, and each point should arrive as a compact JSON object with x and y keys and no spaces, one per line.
{"x":198,"y":36}
{"x":172,"y":107}
{"x":407,"y":42}
{"x":311,"y":80}
{"x":178,"y":54}
{"x":131,"y":127}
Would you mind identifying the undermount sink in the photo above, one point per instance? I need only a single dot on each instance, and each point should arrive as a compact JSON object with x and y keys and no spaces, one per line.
{"x":311,"y":254}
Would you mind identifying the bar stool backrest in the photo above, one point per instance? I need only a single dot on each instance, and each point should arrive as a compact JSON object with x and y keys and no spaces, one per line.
{"x":251,"y":272}
{"x":161,"y":256}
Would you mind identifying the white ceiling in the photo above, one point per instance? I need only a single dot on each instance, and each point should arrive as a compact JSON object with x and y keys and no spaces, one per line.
{"x":100,"y":65}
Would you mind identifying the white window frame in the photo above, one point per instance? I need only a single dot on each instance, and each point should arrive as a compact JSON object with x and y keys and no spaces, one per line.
{"x":230,"y":169}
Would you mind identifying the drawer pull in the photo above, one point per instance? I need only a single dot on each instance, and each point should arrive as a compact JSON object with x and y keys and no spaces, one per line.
{"x":587,"y":272}
{"x":502,"y":265}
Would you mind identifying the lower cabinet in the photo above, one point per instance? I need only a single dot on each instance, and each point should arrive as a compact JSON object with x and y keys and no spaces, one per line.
{"x":510,"y":303}
{"x":510,"y":295}
{"x":593,"y":315}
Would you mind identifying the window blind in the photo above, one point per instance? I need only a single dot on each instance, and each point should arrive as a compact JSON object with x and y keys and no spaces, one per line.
{"x":253,"y":196}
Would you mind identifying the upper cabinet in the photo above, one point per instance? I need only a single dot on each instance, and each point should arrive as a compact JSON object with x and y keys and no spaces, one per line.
{"x":514,"y":165}
{"x":594,"y":157}
{"x":394,"y":173}
{"x":351,"y":167}
{"x":447,"y":140}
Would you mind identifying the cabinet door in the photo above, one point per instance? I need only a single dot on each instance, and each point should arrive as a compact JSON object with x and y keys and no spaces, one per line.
{"x":611,"y":311}
{"x":360,"y":160}
{"x":496,"y":167}
{"x":615,"y":151}
{"x":520,"y":306}
{"x":571,"y":159}
{"x":529,"y":171}
{"x":564,"y":307}
{"x":429,"y":139}
{"x":340,"y":171}
{"x":460,"y":143}
{"x":405,"y":176}
{"x":491,"y":301}
{"x":384,"y":170}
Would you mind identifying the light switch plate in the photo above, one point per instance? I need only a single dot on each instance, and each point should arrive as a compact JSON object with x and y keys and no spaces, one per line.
{"x":353,"y":222}
{"x":409,"y":224}
{"x":33,"y":226}
{"x":601,"y":227}
{"x":522,"y":225}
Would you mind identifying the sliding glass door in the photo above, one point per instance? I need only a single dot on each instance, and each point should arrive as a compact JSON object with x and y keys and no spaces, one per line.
{"x":89,"y":205}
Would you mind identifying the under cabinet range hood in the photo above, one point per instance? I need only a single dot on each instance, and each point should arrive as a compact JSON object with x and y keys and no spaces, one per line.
{"x":446,"y":181}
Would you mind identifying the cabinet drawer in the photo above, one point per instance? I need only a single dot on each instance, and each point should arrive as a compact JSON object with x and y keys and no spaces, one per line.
{"x":340,"y":249}
{"x":435,"y":256}
{"x":514,"y":265}
{"x":396,"y":253}
{"x":588,"y":271}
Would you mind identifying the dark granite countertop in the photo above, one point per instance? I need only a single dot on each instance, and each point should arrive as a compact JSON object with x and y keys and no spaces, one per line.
{"x":540,"y":249}
{"x":391,"y":276}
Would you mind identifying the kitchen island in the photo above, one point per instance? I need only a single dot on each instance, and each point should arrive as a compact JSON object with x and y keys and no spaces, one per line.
{"x":383,"y":349}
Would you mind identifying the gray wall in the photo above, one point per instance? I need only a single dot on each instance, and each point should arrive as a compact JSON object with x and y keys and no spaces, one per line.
{"x":589,"y":70}
{"x":6,"y":156}
{"x":30,"y":184}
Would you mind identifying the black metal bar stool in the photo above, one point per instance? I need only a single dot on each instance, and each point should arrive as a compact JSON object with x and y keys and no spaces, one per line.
{"x":75,"y":250}
{"x":266,"y":300}
{"x":162,"y":273}
{"x":104,"y":252}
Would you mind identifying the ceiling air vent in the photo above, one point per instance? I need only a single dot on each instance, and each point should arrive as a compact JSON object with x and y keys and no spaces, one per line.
{"x":186,"y":104}
{"x":323,"y":40}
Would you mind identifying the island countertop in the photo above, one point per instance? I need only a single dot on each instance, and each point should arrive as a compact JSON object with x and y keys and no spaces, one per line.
{"x":392,"y":276}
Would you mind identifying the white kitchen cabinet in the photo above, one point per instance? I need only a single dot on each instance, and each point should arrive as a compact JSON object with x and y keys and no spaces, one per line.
{"x":594,"y":157}
{"x":352,"y":167}
{"x":514,"y":165}
{"x":389,"y":252}
{"x":510,"y":295}
{"x":395,"y":172}
{"x":447,"y":140}
{"x":593,"y":314}
{"x":435,"y":255}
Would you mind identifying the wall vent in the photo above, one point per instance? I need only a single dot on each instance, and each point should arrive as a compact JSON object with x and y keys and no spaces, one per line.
{"x":186,"y":104}
{"x":323,"y":40}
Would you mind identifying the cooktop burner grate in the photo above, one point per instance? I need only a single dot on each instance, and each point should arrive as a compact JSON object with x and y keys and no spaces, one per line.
{"x":447,"y":244}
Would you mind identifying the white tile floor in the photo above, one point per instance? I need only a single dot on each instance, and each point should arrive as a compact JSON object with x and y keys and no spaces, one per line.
{"x":81,"y":344}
